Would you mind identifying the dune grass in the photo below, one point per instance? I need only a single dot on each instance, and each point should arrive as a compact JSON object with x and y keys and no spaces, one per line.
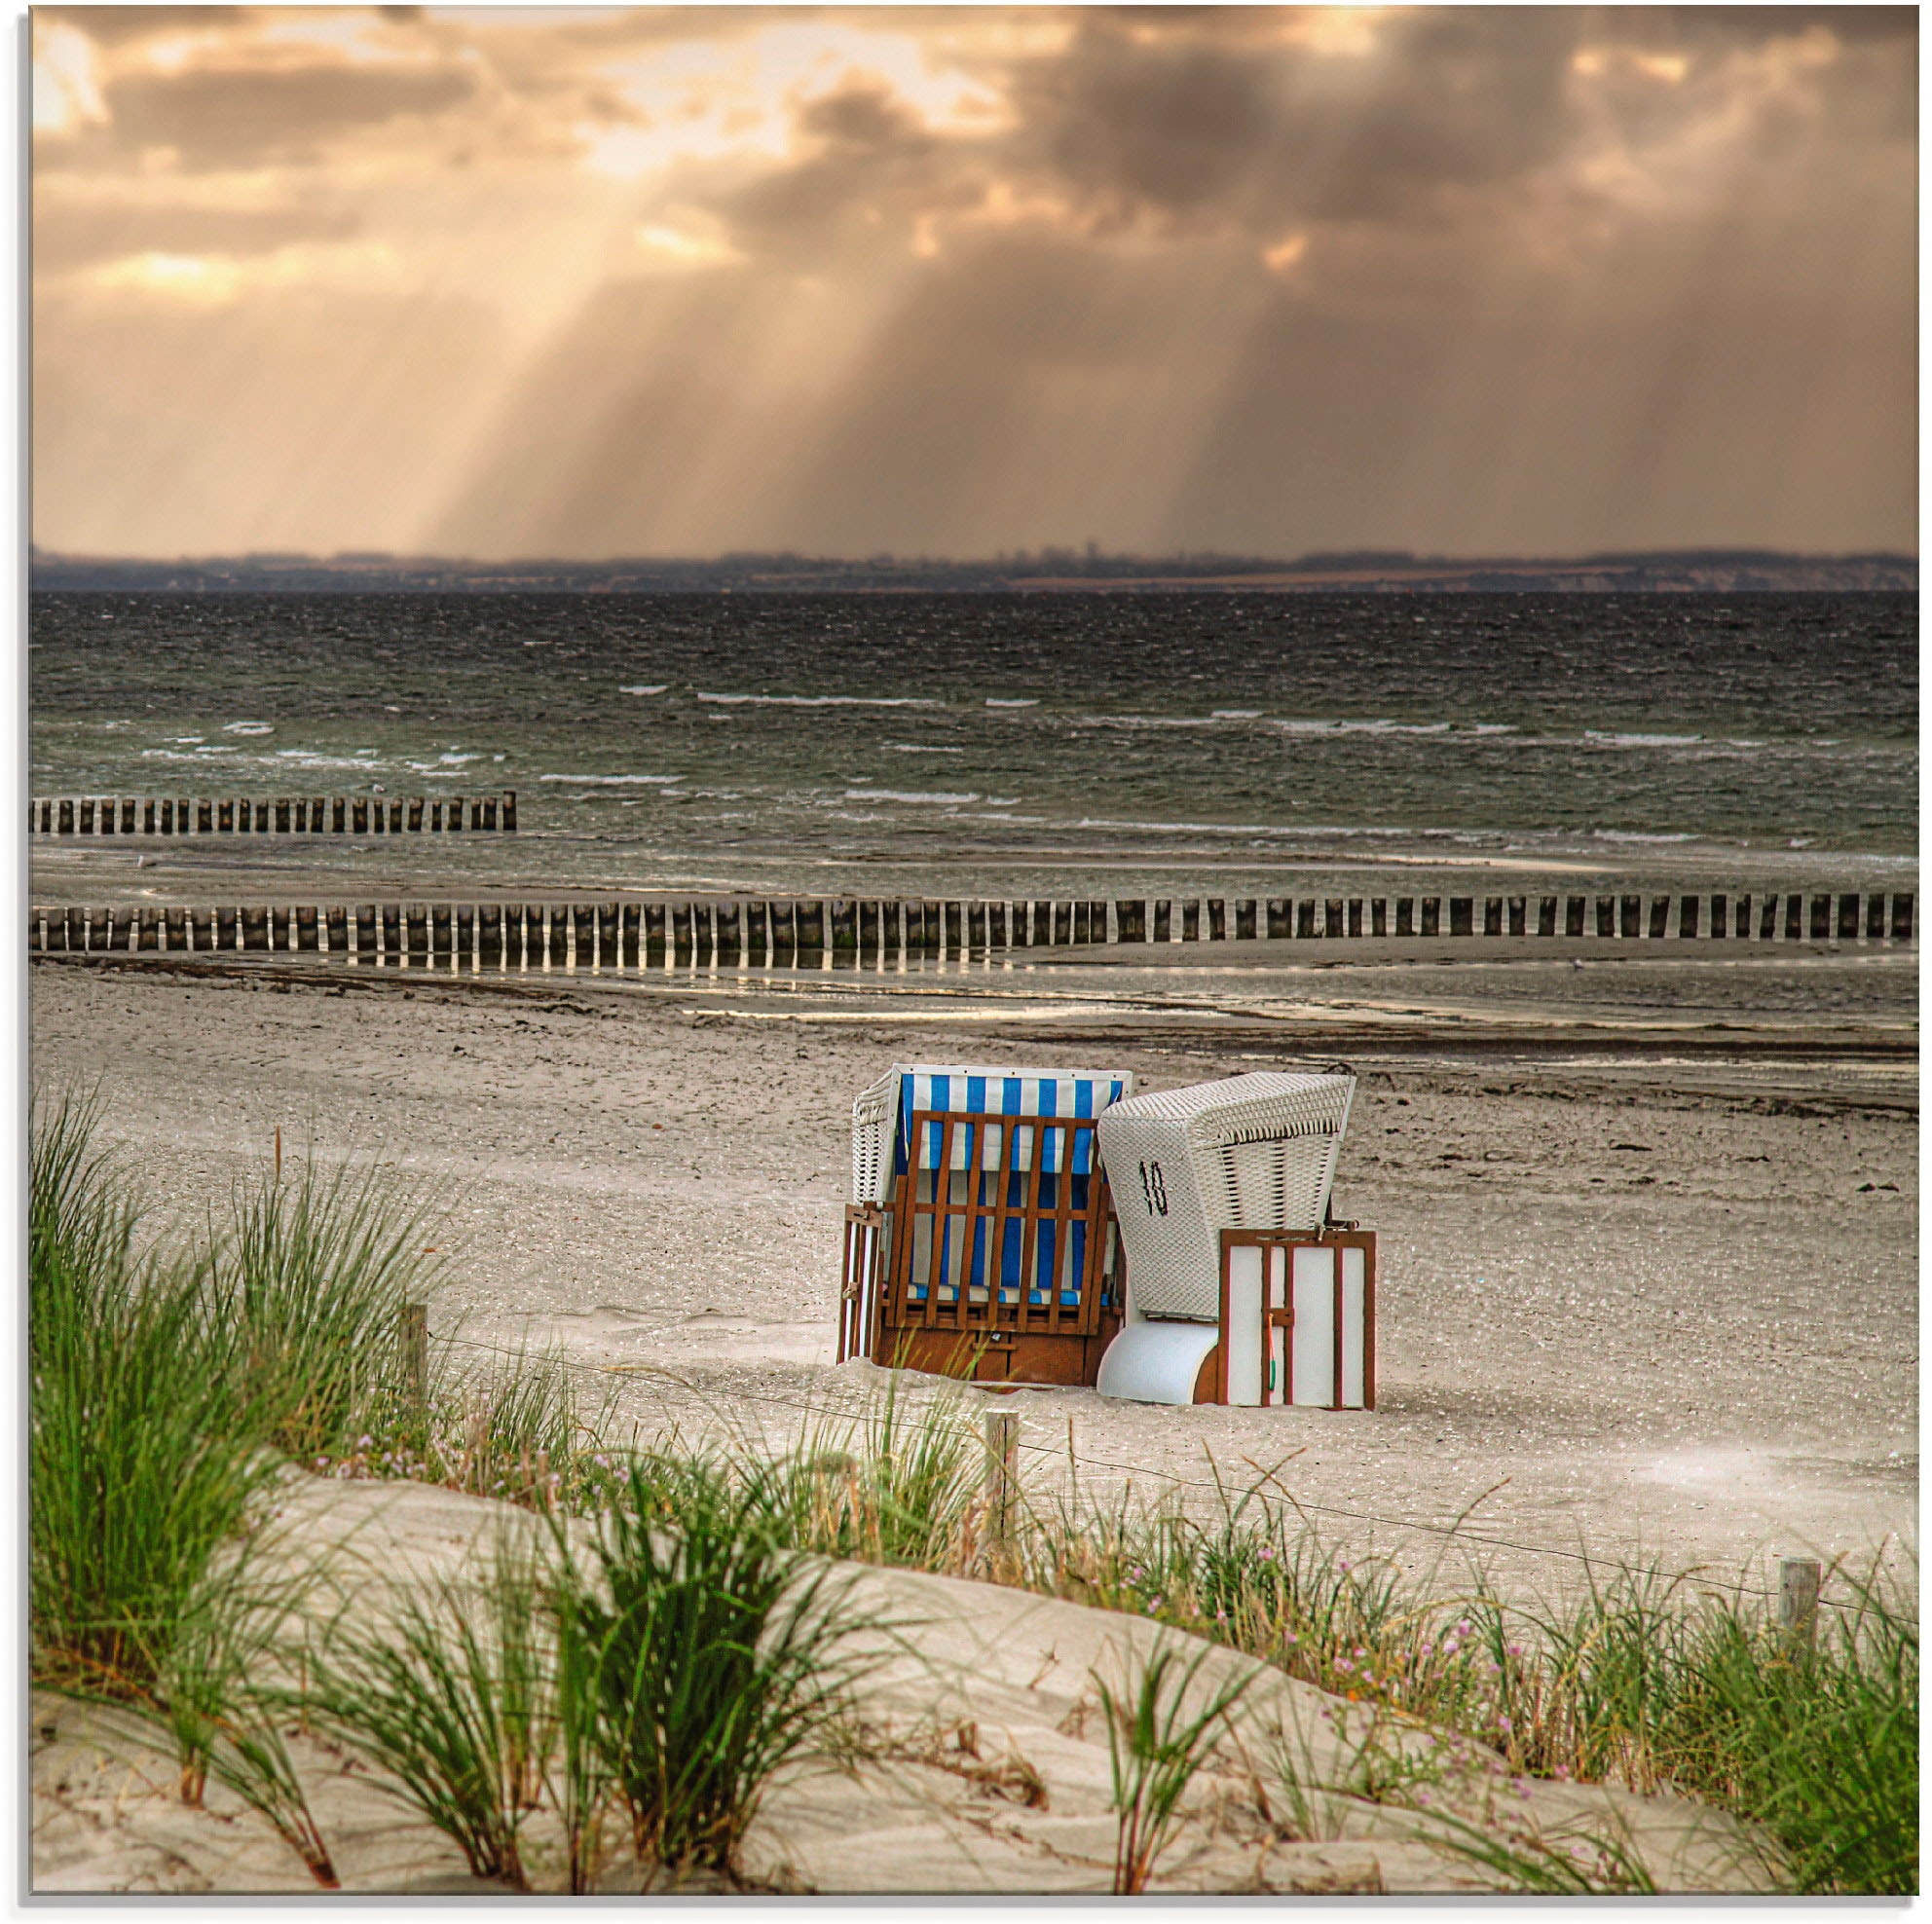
{"x":1157,"y":1744}
{"x":315,"y":1268}
{"x":454,"y":1701}
{"x":143,"y":1439}
{"x":1643,"y":1678}
{"x":715,"y":1654}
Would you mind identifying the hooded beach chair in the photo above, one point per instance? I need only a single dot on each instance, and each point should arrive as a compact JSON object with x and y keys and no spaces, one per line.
{"x":1239,"y":1287}
{"x":978,"y":1241}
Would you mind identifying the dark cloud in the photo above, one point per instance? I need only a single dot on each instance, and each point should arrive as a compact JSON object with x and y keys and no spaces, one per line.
{"x":1185,"y":124}
{"x":217,"y":118}
{"x":870,"y":166}
{"x":1167,"y":126}
{"x":112,"y":26}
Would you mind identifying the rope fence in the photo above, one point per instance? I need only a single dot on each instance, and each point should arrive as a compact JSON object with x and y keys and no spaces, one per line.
{"x":1456,"y":1530}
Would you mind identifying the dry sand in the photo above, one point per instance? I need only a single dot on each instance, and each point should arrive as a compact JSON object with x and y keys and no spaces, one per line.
{"x":1648,"y":1226}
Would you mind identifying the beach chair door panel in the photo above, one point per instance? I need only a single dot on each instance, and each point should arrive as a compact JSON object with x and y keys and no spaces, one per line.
{"x":1298,"y":1319}
{"x":998,"y":1223}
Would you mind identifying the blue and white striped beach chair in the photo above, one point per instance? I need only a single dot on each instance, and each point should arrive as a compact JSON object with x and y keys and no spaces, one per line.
{"x":992,"y":1181}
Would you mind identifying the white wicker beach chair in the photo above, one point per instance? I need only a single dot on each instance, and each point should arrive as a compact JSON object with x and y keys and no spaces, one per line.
{"x":1255,"y":1152}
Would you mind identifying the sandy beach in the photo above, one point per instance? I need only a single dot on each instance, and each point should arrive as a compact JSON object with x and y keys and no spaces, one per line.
{"x":1648,"y":1226}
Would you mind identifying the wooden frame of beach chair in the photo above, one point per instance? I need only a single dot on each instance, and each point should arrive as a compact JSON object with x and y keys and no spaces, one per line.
{"x":996,"y":1258}
{"x":1297,"y":1321}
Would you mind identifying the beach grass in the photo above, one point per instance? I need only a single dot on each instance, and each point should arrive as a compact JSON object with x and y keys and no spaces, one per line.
{"x":454,"y":1701}
{"x":716,"y":1654}
{"x":318,"y":1266}
{"x":144,"y":1441}
{"x":1157,"y":1745}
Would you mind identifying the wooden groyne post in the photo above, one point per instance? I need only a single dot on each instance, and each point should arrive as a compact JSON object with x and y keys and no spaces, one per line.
{"x":279,"y":815}
{"x":611,"y":934}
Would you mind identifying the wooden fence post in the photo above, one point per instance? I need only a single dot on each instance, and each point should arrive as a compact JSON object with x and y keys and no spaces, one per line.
{"x":1798,"y":1602}
{"x":1002,"y":1479}
{"x":412,"y":1343}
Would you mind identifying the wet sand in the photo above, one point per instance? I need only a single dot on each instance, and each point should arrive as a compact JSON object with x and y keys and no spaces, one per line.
{"x":1648,"y":1225}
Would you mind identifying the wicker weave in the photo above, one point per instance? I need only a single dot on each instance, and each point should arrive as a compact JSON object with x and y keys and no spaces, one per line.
{"x":1253,"y":1152}
{"x":882,"y":1114}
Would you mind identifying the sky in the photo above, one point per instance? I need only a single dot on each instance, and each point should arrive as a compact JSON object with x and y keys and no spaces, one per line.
{"x":548,"y":281}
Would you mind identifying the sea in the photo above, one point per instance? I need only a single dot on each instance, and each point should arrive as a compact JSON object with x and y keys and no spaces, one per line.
{"x":1014,"y":745}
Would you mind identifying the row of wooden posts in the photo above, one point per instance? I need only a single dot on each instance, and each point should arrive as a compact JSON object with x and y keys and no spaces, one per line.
{"x":265,"y":815}
{"x":628,"y":935}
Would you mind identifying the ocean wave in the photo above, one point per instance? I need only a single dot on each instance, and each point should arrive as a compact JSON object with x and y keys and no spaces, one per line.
{"x":249,"y":728}
{"x":922,"y":748}
{"x":1233,"y":714}
{"x":1312,"y":725}
{"x":1633,"y":836}
{"x":1251,"y":829}
{"x":1605,"y":738}
{"x":939,"y":796}
{"x":996,"y":701}
{"x":827,"y":701}
{"x":302,"y":759}
{"x":1144,"y":720}
{"x":611,"y":781}
{"x":645,"y":688}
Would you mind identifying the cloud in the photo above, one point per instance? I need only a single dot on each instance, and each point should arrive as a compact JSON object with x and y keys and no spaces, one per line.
{"x":959,"y":278}
{"x":241,"y":118}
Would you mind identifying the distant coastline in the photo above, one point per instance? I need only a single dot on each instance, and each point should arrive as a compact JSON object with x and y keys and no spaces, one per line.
{"x":1055,"y":571}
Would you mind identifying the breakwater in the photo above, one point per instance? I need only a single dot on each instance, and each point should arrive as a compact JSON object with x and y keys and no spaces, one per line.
{"x":266,"y":815}
{"x":618,"y":934}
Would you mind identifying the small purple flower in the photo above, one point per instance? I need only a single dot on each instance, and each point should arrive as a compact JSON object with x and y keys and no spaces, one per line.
{"x":1343,"y":1664}
{"x":1503,"y":1724}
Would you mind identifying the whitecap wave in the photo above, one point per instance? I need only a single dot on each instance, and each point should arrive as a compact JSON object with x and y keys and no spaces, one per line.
{"x":249,"y":728}
{"x":1318,"y":725}
{"x":612,"y":781}
{"x":645,"y":688}
{"x":997,"y":701}
{"x":826,"y":701}
{"x":939,"y":796}
{"x":1606,"y":738}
